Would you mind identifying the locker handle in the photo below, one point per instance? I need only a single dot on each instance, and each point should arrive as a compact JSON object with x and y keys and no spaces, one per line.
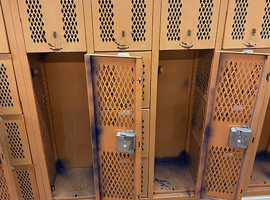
{"x":186,"y":46}
{"x":121,"y":46}
{"x":249,"y":44}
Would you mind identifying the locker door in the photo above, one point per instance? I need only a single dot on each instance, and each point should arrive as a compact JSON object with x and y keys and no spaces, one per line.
{"x":114,"y":87}
{"x":238,"y":83}
{"x":50,"y":25}
{"x":3,"y":35}
{"x":188,"y":24}
{"x":122,"y":25}
{"x":247,"y":24}
{"x":9,"y":99}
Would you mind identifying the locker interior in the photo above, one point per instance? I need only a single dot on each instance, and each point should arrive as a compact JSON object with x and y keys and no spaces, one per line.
{"x":60,"y":92}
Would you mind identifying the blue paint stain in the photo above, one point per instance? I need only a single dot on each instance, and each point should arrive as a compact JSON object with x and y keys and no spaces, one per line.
{"x":60,"y":167}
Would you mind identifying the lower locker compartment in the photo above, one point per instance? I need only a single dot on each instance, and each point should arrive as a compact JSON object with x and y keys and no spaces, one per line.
{"x":182,"y":85}
{"x":260,"y":176}
{"x":61,"y":99}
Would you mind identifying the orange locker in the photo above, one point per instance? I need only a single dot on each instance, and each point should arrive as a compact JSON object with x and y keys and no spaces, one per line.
{"x":53,"y":25}
{"x":121,"y":25}
{"x":188,"y":24}
{"x":3,"y":36}
{"x":247,"y":24}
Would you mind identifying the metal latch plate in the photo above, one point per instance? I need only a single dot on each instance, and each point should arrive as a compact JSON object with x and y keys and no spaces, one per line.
{"x":239,"y":137}
{"x":126,"y":141}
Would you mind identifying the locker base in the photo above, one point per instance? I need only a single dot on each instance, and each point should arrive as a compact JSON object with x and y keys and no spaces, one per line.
{"x":74,"y":182}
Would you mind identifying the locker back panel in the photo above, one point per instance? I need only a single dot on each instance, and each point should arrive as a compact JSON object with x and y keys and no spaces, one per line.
{"x":117,"y":97}
{"x":238,"y":84}
{"x":25,"y":181}
{"x":247,"y":24}
{"x":113,"y":32}
{"x":9,"y":99}
{"x":4,"y":48}
{"x":53,"y":25}
{"x":16,"y":141}
{"x":188,"y":24}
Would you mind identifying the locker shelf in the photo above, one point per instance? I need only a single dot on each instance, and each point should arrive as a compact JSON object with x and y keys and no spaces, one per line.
{"x":260,"y":175}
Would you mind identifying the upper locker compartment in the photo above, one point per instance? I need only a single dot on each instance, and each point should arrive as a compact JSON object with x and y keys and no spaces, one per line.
{"x":113,"y":32}
{"x":188,"y":24}
{"x":50,"y":25}
{"x":247,"y":24}
{"x":3,"y":36}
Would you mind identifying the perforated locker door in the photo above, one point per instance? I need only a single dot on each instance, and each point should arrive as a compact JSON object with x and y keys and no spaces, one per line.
{"x":3,"y":35}
{"x":237,"y":87}
{"x":122,"y":25}
{"x":50,"y":25}
{"x":15,"y":140}
{"x":25,"y":182}
{"x":146,"y":74}
{"x":9,"y":99}
{"x":247,"y":24}
{"x":188,"y":24}
{"x":114,"y":86}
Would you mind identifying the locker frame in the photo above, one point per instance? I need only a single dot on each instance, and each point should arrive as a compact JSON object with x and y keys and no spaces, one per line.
{"x":4,"y":48}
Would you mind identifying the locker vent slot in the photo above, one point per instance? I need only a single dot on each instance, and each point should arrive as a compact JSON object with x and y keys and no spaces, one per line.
{"x":106,"y":20}
{"x":143,"y":82}
{"x":237,"y":90}
{"x":142,"y":179}
{"x":223,"y":170}
{"x":117,"y":174}
{"x":205,"y":19}
{"x":14,"y":138}
{"x":174,"y":20}
{"x":266,"y":22}
{"x":4,"y":195}
{"x":69,"y":19}
{"x":138,"y":20}
{"x":35,"y":20}
{"x":115,"y":95}
{"x":143,"y":135}
{"x":25,"y":185}
{"x":5,"y":97}
{"x":238,"y":27}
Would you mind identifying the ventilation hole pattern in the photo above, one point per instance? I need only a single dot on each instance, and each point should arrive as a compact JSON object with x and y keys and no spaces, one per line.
{"x":143,"y":82}
{"x":142,"y":179}
{"x":117,"y":175}
{"x":15,"y":141}
{"x":106,"y":20}
{"x":205,"y":19}
{"x":174,"y":20}
{"x":143,"y":135}
{"x":5,"y":97}
{"x":4,"y":194}
{"x":237,"y":90}
{"x":223,"y":170}
{"x":25,"y":184}
{"x":69,"y":19}
{"x":194,"y":159}
{"x":36,"y":22}
{"x":240,"y":13}
{"x":138,"y":20}
{"x":266,"y":22}
{"x":115,"y":95}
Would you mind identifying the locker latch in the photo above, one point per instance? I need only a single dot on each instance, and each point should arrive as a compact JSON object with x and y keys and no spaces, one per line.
{"x":239,"y":137}
{"x":126,"y":141}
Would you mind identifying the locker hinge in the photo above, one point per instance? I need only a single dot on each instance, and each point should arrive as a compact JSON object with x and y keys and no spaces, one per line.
{"x":268,"y":76}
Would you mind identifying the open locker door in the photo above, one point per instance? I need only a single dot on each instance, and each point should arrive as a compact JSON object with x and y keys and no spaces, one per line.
{"x":237,"y":86}
{"x":114,"y":89}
